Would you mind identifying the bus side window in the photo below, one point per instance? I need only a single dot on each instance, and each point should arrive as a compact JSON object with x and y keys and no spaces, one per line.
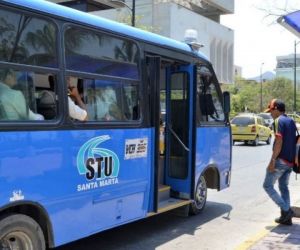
{"x":110,"y":100}
{"x":19,"y":95}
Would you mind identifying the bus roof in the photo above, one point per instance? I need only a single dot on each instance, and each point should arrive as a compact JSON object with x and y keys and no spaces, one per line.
{"x":93,"y":20}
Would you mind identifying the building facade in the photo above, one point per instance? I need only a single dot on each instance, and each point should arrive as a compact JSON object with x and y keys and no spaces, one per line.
{"x":171,"y":18}
{"x":285,"y":67}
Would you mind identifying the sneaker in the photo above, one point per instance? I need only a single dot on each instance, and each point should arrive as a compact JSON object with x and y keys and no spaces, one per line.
{"x":277,"y":220}
{"x":286,"y":217}
{"x":287,"y":223}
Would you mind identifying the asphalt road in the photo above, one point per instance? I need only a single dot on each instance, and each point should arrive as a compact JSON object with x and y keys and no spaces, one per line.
{"x":230,"y":217}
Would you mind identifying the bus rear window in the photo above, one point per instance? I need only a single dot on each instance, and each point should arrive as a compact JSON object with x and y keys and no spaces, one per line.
{"x":243,"y":121}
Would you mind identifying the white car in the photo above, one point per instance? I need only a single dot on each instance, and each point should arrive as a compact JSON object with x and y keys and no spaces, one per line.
{"x":268,"y":119}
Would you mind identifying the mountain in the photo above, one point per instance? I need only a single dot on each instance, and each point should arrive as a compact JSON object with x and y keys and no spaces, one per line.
{"x":266,"y":76}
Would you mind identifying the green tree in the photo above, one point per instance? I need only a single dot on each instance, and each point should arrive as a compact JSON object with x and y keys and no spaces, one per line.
{"x":245,"y":94}
{"x":281,"y":88}
{"x":11,"y":49}
{"x":126,"y":19}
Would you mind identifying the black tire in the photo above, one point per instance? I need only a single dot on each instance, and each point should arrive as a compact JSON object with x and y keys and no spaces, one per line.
{"x":256,"y":141}
{"x":269,"y":140}
{"x":199,"y":202}
{"x":18,"y":231}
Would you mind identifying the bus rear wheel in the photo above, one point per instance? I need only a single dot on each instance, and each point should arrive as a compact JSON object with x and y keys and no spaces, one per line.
{"x":20,"y":232}
{"x":200,"y":197}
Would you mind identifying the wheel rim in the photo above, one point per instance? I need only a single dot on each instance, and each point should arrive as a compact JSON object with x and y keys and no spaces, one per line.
{"x":200,"y":196}
{"x":16,"y":241}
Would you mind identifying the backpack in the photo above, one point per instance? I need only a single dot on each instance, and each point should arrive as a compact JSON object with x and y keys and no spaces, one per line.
{"x":296,"y":167}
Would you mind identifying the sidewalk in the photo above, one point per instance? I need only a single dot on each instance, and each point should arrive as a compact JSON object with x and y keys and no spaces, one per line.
{"x":276,"y":237}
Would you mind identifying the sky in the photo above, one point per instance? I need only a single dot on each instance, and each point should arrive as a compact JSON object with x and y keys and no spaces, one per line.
{"x":258,"y":39}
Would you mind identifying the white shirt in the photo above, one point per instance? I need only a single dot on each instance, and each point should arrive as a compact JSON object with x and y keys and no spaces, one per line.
{"x":35,"y":116}
{"x":75,"y":111}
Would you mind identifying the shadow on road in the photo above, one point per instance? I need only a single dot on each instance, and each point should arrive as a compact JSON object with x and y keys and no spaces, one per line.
{"x":242,"y":144}
{"x":151,"y":232}
{"x":281,"y":237}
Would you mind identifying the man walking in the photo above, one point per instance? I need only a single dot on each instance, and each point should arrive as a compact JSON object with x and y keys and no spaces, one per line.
{"x":282,"y":160}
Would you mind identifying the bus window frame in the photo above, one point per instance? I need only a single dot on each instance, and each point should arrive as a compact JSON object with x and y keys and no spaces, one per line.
{"x":38,"y":15}
{"x":129,"y":82}
{"x":82,"y":74}
{"x":63,"y":120}
{"x":32,"y":125}
{"x":67,"y":25}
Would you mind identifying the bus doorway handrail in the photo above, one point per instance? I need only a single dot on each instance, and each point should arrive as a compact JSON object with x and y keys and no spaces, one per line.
{"x":177,"y":137}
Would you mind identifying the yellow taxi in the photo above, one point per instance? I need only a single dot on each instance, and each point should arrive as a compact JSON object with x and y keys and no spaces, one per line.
{"x":250,"y":128}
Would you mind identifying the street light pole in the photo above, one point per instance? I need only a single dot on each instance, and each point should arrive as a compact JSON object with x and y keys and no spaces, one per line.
{"x":133,"y":14}
{"x":261,"y":109}
{"x":132,"y":9}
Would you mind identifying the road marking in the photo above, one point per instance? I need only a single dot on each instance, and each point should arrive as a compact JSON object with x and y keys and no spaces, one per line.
{"x":255,"y":238}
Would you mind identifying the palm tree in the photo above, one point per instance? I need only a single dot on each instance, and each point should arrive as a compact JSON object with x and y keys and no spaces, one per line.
{"x":43,"y":38}
{"x":11,"y":49}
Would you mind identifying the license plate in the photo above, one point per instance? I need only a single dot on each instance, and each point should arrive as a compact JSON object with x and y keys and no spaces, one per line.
{"x":241,"y":130}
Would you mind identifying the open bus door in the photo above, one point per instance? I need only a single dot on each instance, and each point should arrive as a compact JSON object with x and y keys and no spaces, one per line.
{"x":179,"y":130}
{"x":171,"y":113}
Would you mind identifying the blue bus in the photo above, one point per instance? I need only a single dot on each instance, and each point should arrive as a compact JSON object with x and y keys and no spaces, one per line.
{"x":157,"y":134}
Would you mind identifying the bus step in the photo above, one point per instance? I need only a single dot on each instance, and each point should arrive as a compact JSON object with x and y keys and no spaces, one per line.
{"x":169,"y":204}
{"x":163,"y":193}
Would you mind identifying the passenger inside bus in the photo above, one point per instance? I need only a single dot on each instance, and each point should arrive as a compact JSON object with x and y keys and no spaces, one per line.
{"x":77,"y":108}
{"x":47,"y":101}
{"x":26,"y":86}
{"x":12,"y":102}
{"x":102,"y":104}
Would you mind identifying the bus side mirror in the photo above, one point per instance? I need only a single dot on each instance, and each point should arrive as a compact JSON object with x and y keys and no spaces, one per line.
{"x":226,"y":104}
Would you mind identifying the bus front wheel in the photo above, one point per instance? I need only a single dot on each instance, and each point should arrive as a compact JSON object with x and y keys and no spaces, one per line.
{"x":18,"y":231}
{"x":200,"y":197}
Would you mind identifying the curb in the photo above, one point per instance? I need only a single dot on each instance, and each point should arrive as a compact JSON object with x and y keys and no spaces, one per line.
{"x":255,"y":238}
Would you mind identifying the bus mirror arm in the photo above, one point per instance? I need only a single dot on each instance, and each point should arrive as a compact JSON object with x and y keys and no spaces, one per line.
{"x":177,"y":138}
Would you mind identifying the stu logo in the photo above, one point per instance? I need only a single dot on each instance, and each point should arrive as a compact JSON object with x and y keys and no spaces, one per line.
{"x":100,"y":167}
{"x":97,"y":163}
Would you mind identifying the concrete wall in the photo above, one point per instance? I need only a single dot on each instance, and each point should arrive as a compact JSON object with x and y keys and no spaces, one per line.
{"x":226,"y":5}
{"x":173,"y":20}
{"x":289,"y":74}
{"x":286,"y":68}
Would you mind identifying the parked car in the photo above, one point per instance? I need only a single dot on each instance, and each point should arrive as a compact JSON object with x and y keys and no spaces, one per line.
{"x":268,"y":119}
{"x":250,"y":128}
{"x":295,"y":117}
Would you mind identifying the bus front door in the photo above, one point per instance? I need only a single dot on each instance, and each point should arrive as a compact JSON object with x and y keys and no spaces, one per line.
{"x":179,"y":131}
